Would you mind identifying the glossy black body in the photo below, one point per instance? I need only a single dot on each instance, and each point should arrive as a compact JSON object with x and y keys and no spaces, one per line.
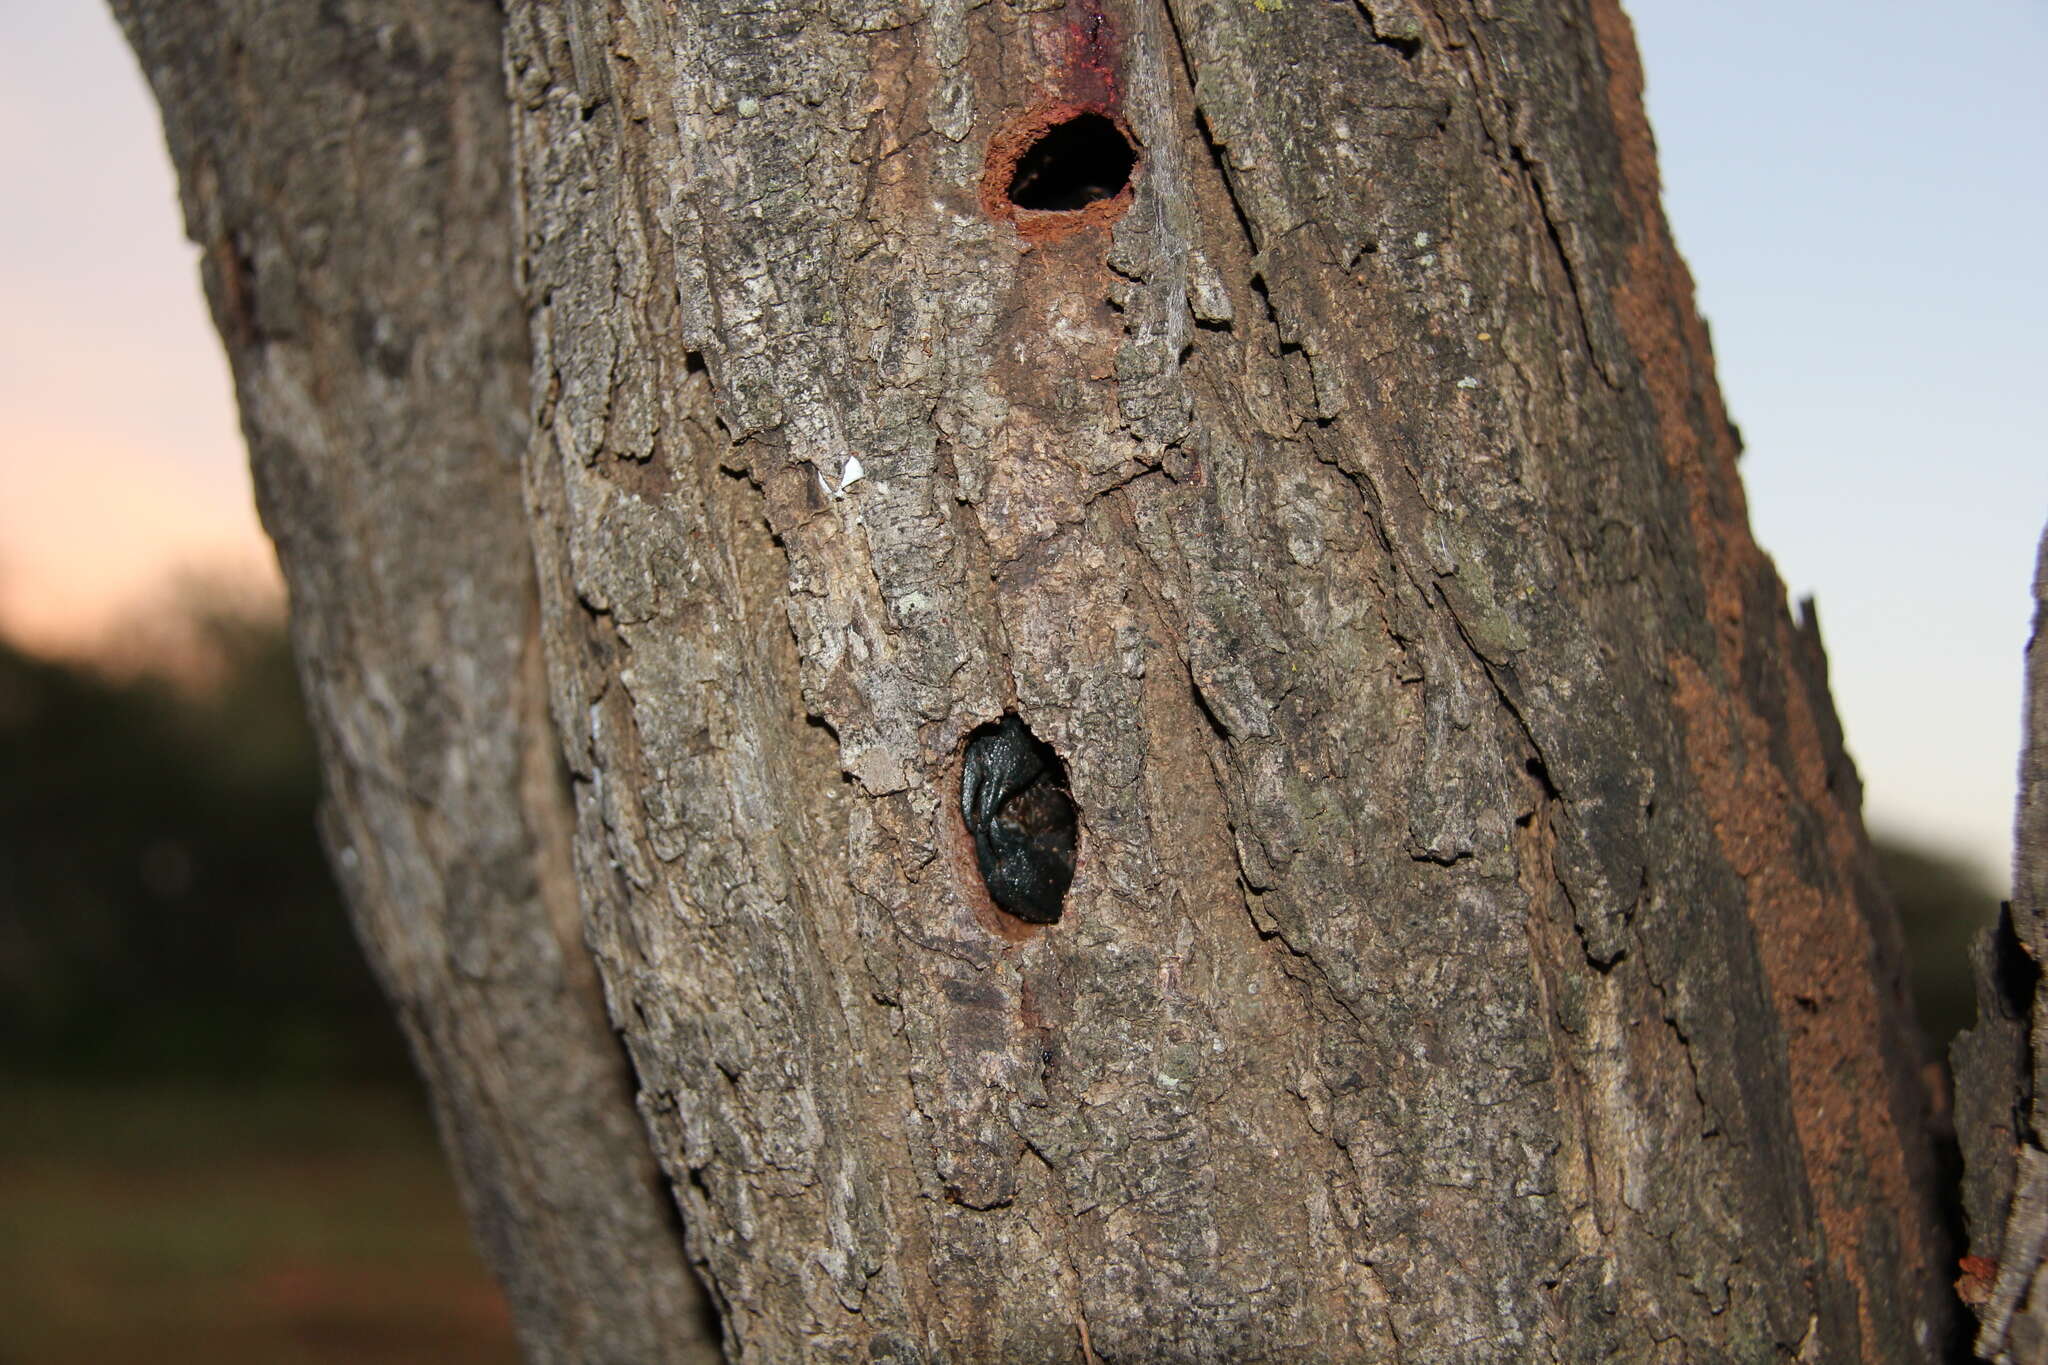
{"x":1013,"y":796}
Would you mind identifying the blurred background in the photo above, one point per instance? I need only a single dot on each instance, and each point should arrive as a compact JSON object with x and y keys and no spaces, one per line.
{"x":211,"y":1145}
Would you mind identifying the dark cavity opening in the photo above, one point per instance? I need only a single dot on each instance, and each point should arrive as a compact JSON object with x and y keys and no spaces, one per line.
{"x":1072,"y":165}
{"x":1015,"y":802}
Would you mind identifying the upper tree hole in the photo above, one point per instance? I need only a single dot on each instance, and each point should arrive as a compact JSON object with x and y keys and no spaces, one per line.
{"x":1074,"y":164}
{"x":1016,"y":804}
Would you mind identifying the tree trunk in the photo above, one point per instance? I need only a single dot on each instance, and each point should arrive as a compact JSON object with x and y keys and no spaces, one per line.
{"x":346,"y":172}
{"x":2001,"y":1065}
{"x":1296,"y":414}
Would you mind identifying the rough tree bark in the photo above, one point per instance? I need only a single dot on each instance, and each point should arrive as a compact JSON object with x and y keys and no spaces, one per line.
{"x":2001,"y":1065}
{"x":346,"y":171}
{"x":1474,"y":952}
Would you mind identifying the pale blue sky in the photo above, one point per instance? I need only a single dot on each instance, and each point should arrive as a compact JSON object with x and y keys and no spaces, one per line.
{"x":1857,"y":187}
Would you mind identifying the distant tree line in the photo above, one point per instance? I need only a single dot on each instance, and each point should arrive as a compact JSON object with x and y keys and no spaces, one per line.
{"x":164,"y":909}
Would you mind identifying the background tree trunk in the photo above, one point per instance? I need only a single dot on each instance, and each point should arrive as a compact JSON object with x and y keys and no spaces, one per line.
{"x":1474,"y":952}
{"x":345,"y":170}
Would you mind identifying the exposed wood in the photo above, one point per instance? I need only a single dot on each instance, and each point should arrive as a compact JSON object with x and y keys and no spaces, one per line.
{"x":345,"y":172}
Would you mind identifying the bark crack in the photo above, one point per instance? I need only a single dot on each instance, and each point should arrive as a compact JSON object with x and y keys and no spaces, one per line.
{"x":1533,"y":174}
{"x":1217,"y":156}
{"x":1496,"y":118}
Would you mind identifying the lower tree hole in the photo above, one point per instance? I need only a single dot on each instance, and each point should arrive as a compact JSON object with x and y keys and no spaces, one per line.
{"x":1074,"y":164}
{"x":1015,"y":803}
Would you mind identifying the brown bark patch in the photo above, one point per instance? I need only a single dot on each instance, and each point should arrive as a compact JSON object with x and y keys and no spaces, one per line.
{"x":1818,"y":959}
{"x":1654,"y":305}
{"x":1974,"y":1284}
{"x":1087,"y":70}
{"x":237,"y":307}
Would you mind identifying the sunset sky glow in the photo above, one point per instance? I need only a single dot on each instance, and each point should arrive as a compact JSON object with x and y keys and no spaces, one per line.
{"x":121,"y":462}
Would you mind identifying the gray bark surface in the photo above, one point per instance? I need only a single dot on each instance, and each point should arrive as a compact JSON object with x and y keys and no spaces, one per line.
{"x":345,"y":169}
{"x":2001,"y":1064}
{"x":1474,"y":952}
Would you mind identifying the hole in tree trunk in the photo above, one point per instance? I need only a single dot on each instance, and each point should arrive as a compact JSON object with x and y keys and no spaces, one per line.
{"x":1082,"y":161}
{"x":1015,"y":802}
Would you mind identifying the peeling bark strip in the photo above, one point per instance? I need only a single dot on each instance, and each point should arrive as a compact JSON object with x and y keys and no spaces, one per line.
{"x":1476,"y":954}
{"x":344,"y":167}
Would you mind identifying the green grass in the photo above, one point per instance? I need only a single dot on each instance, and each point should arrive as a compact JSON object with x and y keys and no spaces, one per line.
{"x":172,"y":1224}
